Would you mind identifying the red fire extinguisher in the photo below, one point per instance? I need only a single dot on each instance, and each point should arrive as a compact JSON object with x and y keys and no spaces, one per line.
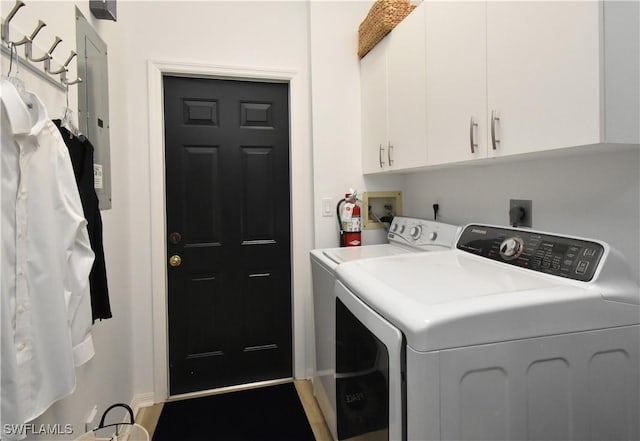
{"x":349,"y":220}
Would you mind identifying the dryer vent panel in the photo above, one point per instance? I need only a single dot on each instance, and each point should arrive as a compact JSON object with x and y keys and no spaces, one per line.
{"x":93,"y":103}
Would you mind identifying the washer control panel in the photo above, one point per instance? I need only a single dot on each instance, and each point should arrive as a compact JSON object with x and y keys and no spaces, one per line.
{"x":422,"y":233}
{"x":561,"y":256}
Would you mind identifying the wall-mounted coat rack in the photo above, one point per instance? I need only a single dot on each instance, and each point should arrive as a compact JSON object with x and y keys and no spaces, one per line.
{"x":10,"y":47}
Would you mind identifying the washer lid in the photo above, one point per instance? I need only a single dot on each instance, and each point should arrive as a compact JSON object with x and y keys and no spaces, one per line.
{"x":330,"y":258}
{"x":348,"y":254}
{"x":450,"y":299}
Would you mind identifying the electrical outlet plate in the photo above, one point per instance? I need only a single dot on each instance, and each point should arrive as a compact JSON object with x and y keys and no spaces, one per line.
{"x":526,"y":204}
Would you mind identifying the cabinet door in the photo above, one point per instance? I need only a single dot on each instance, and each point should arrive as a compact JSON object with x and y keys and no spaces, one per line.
{"x":456,"y":81}
{"x":373,"y":89}
{"x":543,"y":74}
{"x":407,"y":93}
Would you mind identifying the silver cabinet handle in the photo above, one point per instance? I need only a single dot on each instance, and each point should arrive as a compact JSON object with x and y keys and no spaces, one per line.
{"x":380,"y":156}
{"x":389,"y":147}
{"x":472,"y":142}
{"x":494,"y":119}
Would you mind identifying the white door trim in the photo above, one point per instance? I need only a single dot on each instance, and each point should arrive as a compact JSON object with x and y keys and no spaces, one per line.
{"x":301,"y":187}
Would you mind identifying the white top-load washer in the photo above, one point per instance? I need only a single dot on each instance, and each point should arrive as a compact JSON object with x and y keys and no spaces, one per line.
{"x":512,"y":335}
{"x":406,"y":235}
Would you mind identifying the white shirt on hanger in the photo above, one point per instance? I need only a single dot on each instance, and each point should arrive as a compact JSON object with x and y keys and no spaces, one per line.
{"x":45,"y":309}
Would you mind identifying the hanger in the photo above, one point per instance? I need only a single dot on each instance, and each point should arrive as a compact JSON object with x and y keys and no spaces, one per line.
{"x":67,"y":119}
{"x":13,"y":76}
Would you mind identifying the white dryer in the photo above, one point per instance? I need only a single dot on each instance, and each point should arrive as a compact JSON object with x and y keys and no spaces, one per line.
{"x":512,"y":335}
{"x":406,"y":235}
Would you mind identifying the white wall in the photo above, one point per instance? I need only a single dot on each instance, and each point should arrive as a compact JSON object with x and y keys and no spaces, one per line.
{"x":244,"y":35}
{"x":337,"y":154}
{"x":593,"y":195}
{"x":106,"y":379}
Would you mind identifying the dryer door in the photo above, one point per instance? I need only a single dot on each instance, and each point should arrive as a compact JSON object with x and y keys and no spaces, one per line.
{"x":370,"y":387}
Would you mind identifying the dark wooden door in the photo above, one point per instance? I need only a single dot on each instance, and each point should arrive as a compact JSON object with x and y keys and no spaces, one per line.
{"x":228,"y":224}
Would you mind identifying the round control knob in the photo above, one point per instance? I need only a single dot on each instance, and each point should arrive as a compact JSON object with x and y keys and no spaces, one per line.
{"x":511,"y":248}
{"x":415,"y":232}
{"x":433,"y":235}
{"x":402,"y":229}
{"x":394,"y":227}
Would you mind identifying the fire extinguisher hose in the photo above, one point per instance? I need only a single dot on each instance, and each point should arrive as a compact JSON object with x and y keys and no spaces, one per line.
{"x":340,"y":202}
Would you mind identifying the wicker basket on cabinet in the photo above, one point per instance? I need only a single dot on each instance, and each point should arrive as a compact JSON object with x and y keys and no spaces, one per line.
{"x":383,"y":16}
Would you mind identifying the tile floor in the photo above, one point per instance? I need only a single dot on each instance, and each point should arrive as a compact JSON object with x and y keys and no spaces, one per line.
{"x":148,"y":416}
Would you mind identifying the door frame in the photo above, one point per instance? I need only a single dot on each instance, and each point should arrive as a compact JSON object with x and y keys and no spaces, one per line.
{"x":301,"y":207}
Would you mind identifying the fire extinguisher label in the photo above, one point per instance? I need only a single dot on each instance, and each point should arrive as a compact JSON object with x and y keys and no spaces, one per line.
{"x":347,"y":211}
{"x":352,"y":224}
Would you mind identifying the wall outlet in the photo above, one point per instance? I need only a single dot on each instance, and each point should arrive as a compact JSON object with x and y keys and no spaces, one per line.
{"x":90,"y":423}
{"x":520,"y":212}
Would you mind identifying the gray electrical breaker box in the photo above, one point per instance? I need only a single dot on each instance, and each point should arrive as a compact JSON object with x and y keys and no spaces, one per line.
{"x":93,"y":104}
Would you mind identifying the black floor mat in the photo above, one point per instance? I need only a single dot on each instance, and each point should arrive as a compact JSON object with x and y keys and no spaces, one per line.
{"x":268,"y":413}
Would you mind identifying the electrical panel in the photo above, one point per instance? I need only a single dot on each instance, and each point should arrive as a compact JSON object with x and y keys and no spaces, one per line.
{"x":93,"y":103}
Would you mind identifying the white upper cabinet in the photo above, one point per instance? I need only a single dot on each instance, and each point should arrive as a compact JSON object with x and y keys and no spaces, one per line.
{"x":393,"y":99}
{"x":407,"y":92}
{"x":456,"y":81}
{"x":543,"y":75}
{"x":373,"y":86}
{"x":468,"y":80}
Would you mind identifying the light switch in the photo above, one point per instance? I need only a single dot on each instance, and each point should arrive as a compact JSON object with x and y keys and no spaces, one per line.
{"x":327,"y":207}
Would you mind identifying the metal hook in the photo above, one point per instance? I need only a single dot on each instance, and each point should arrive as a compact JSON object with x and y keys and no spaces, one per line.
{"x":29,"y":39}
{"x":63,"y":69}
{"x":71,"y":83}
{"x":63,"y":72}
{"x":46,"y":57}
{"x":5,"y":23}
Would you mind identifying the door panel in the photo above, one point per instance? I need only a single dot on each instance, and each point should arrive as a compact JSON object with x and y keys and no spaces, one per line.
{"x":203,"y":205}
{"x":258,"y":208}
{"x":227,"y":177}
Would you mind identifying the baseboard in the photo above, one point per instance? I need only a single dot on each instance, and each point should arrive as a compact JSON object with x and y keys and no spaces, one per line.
{"x":142,"y":400}
{"x":222,"y":390}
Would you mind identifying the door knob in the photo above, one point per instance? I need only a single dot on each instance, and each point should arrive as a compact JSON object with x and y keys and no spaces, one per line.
{"x":175,"y":260}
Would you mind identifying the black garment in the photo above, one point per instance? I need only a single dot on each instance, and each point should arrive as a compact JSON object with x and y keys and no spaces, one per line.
{"x":81,"y":152}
